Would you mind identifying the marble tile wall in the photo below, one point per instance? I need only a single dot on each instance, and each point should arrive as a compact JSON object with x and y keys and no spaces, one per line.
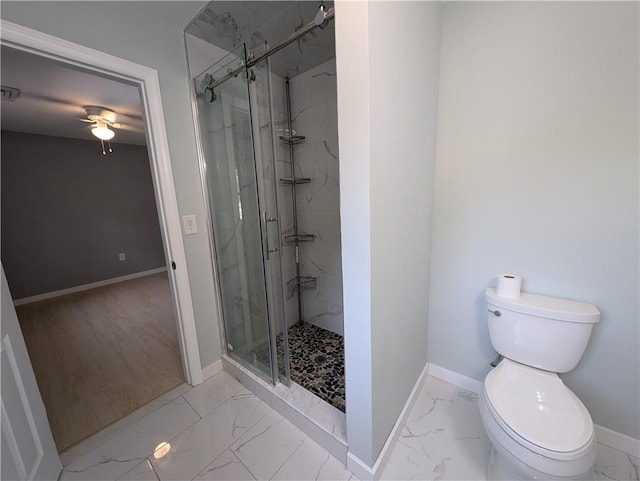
{"x":314,"y":115}
{"x":227,"y":24}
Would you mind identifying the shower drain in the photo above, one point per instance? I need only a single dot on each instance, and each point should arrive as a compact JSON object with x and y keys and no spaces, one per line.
{"x":320,"y":359}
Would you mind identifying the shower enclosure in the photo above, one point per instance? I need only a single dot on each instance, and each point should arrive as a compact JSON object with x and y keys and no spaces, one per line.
{"x":278,"y":267}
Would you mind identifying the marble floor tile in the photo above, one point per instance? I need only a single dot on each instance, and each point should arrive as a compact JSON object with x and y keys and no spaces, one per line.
{"x":405,"y":463}
{"x":199,"y":445}
{"x":311,"y":462}
{"x":463,"y":459}
{"x":427,"y":421}
{"x":226,"y":467}
{"x":124,"y":451}
{"x":243,"y":438}
{"x":141,"y":472}
{"x":465,"y":417}
{"x":465,"y":447}
{"x":266,"y":446}
{"x":614,"y":464}
{"x":212,"y":393}
{"x":92,"y":442}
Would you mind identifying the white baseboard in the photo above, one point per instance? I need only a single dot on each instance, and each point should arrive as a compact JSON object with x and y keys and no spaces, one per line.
{"x":212,"y":369}
{"x":618,"y":441}
{"x":454,"y":378}
{"x":613,"y":439}
{"x":86,"y":287}
{"x":361,"y":469}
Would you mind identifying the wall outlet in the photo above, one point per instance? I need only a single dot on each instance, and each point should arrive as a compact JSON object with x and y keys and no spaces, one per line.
{"x":122,"y":256}
{"x":189,"y":225}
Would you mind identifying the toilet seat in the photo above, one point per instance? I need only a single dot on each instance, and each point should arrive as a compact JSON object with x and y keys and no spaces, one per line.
{"x":539,"y":410}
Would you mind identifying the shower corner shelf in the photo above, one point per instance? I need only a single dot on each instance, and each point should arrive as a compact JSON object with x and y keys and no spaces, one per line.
{"x":304,"y":282}
{"x":292,"y":139}
{"x":295,"y":180}
{"x":300,"y":237}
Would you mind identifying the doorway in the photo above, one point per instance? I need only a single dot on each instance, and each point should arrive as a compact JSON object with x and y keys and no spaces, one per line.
{"x":145,"y":80}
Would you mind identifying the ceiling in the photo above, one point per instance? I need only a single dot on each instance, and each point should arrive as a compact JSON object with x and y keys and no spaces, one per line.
{"x":227,"y":24}
{"x":55,"y":106}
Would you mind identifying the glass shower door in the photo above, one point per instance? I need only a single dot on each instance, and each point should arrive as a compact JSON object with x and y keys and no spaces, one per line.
{"x":238,"y":219}
{"x":234,"y":111}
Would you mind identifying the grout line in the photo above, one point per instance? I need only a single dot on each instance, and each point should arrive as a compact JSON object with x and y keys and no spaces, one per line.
{"x":153,"y":470}
{"x":245,"y":466}
{"x":291,"y":455}
{"x":191,"y":406}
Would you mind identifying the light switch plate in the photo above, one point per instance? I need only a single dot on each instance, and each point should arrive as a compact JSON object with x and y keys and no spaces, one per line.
{"x":189,"y":225}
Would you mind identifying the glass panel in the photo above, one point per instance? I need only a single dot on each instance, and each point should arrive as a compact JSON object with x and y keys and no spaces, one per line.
{"x":225,"y":123}
{"x":261,"y":95}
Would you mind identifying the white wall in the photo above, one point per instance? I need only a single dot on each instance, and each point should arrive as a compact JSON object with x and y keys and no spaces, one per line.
{"x":201,"y":55}
{"x":387,"y":64}
{"x":537,"y":174}
{"x":352,"y":66}
{"x":129,"y":30}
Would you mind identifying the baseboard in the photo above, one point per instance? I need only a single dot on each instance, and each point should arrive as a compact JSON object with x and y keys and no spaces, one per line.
{"x":613,"y":439}
{"x":617,"y":440}
{"x":212,"y":369}
{"x":361,"y":469}
{"x":86,"y":287}
{"x":454,"y":378}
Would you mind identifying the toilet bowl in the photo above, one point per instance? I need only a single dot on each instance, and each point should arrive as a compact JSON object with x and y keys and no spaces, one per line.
{"x":538,"y":427}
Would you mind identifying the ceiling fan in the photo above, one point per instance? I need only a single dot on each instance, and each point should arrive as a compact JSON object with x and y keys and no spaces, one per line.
{"x":103,"y":121}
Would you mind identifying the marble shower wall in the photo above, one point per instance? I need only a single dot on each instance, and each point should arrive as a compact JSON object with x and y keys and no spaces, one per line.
{"x":314,"y":115}
{"x":227,"y":24}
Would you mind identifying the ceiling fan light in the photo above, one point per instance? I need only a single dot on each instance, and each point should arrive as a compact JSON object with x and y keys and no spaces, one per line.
{"x":103,"y":132}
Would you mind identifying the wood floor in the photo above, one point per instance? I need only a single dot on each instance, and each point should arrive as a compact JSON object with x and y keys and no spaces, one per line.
{"x":102,"y":353}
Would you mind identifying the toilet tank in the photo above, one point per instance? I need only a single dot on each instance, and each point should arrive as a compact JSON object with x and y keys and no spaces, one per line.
{"x":543,"y":332}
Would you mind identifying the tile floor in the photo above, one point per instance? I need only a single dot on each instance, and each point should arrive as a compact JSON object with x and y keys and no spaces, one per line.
{"x":220,"y":431}
{"x":443,"y":439}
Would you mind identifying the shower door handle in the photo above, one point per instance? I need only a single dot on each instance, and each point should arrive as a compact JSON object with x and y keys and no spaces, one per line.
{"x":268,"y":219}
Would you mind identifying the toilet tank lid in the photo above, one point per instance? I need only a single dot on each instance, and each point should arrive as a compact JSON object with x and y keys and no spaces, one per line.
{"x":548,"y":307}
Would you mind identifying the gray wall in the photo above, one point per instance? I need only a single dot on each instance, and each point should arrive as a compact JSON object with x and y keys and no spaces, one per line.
{"x":68,"y":210}
{"x":537,"y":174}
{"x":131,"y":31}
{"x":387,"y":131}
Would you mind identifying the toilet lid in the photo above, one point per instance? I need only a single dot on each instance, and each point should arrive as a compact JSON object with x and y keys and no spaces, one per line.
{"x":538,"y":407}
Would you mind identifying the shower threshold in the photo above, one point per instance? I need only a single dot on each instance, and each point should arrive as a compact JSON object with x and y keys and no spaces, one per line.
{"x":319,"y":420}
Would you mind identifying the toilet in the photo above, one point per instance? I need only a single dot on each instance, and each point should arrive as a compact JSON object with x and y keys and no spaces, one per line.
{"x":539,"y":429}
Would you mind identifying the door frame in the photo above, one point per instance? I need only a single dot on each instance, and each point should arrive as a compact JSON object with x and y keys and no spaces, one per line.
{"x":146,"y":79}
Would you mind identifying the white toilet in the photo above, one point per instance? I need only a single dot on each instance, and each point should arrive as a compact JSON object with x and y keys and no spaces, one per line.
{"x":539,"y":429}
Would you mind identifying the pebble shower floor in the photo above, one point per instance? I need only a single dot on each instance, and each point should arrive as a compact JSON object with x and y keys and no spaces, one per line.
{"x":316,"y":358}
